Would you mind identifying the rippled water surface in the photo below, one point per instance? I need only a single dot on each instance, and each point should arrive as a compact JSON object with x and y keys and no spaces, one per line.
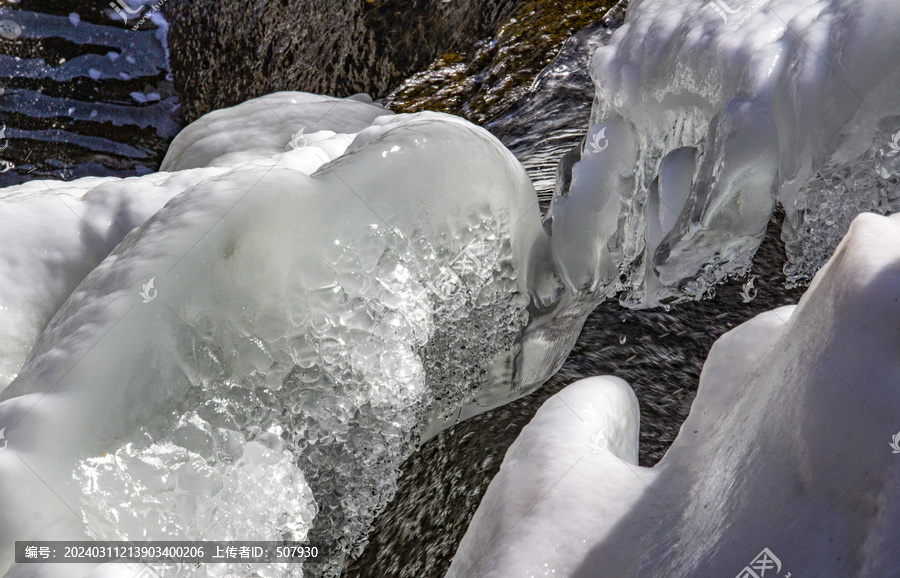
{"x":529,"y":85}
{"x":83,"y":93}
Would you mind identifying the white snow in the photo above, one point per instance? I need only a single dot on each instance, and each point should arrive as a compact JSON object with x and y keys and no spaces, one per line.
{"x":316,"y":316}
{"x":54,"y":234}
{"x":713,"y":111}
{"x":787,"y":448}
{"x":266,"y":127}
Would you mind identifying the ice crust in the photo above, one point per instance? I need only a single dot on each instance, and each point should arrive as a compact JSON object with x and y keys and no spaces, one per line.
{"x":54,"y":234}
{"x":302,"y":334}
{"x":706,"y":115}
{"x":313,"y":128}
{"x":62,"y":230}
{"x":788,"y":446}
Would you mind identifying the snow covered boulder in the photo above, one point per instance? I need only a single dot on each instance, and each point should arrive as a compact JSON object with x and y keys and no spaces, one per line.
{"x":54,"y":233}
{"x":259,"y":356}
{"x":708,"y":113}
{"x":787,"y":464}
{"x":314,"y":128}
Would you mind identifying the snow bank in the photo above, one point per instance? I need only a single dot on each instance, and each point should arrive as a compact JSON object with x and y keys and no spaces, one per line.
{"x":268,"y":321}
{"x":706,"y":114}
{"x":312,"y":127}
{"x":787,"y":452}
{"x":56,"y":232}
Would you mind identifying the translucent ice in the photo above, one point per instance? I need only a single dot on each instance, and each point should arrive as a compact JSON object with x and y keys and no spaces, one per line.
{"x":259,"y":356}
{"x":787,"y":454}
{"x":706,"y":114}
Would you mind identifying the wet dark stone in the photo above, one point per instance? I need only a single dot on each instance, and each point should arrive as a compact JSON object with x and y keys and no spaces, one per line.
{"x":225,"y":52}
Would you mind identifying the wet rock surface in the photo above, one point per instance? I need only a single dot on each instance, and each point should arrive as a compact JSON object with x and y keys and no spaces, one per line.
{"x":226,"y":52}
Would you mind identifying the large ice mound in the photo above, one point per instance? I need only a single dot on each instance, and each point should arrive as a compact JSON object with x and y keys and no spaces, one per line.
{"x":257,"y":358}
{"x":707,"y":114}
{"x":54,"y":233}
{"x":786,"y":465}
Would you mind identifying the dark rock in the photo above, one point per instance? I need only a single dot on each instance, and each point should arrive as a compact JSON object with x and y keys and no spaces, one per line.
{"x":226,"y":51}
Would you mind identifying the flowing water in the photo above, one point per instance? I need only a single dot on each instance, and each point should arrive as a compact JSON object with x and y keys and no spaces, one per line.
{"x":529,"y":85}
{"x":659,"y":352}
{"x":83,"y":93}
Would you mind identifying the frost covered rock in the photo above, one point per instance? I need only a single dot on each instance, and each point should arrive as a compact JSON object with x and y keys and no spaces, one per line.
{"x":54,"y":233}
{"x":312,"y":127}
{"x":786,"y":455}
{"x":258,"y":357}
{"x":707,"y":114}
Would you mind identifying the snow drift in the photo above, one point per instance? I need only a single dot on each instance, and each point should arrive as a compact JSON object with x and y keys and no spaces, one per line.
{"x":54,"y":233}
{"x":786,"y":455}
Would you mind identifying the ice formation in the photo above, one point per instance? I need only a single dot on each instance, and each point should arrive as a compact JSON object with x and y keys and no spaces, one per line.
{"x":258,"y":357}
{"x":62,"y":230}
{"x":707,"y":114}
{"x":53,"y":234}
{"x":788,"y":452}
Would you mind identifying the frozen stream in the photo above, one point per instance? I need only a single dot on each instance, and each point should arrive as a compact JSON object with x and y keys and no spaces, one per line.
{"x":430,"y":379}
